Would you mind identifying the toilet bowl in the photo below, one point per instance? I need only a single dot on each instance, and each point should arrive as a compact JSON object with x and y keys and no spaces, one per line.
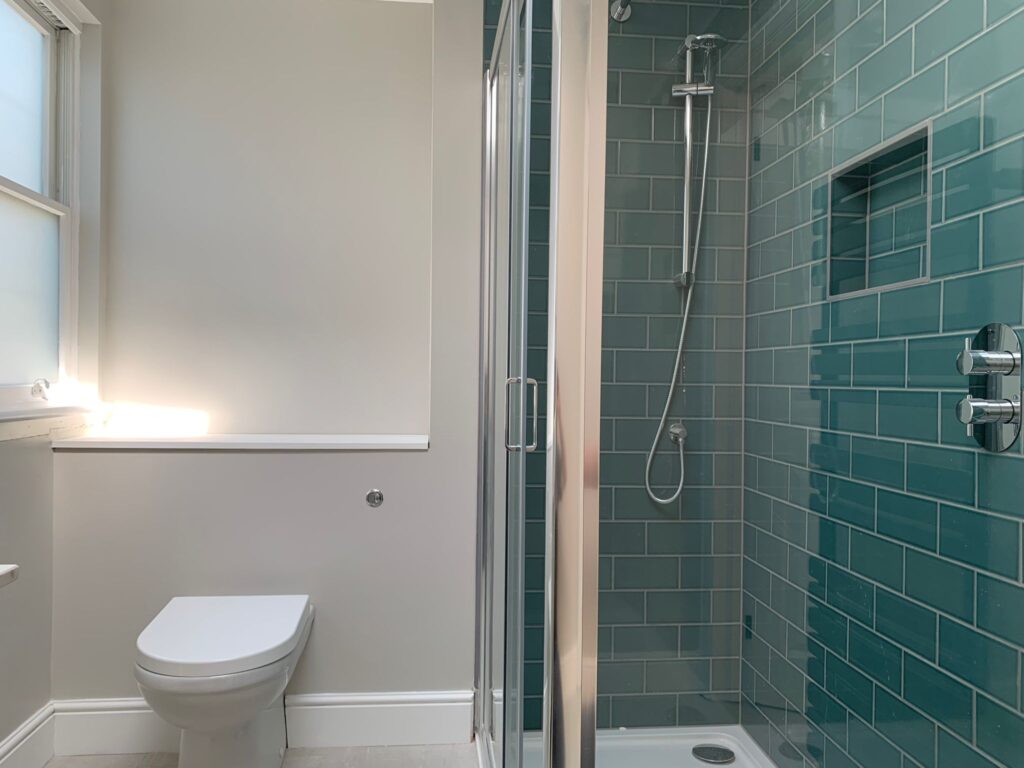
{"x":217,"y":667}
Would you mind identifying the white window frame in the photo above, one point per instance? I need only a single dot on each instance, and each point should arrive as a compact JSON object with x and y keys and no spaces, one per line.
{"x":62,"y":31}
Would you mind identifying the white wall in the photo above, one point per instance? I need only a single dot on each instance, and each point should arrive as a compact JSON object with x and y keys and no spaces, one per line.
{"x":26,"y":524}
{"x":394,"y":587}
{"x":268,"y":211}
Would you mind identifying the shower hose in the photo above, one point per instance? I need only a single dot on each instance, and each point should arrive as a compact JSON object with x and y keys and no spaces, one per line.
{"x":688,"y":290}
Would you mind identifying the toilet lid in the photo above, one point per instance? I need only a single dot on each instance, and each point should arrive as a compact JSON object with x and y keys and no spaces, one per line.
{"x":205,"y":636}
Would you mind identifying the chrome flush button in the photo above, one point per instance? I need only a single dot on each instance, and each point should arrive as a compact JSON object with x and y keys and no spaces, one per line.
{"x":374,"y":498}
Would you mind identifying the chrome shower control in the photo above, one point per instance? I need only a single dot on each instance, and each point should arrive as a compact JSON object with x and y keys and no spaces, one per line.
{"x":972,"y":410}
{"x":977,"y":362}
{"x":374,"y":498}
{"x":991,"y":410}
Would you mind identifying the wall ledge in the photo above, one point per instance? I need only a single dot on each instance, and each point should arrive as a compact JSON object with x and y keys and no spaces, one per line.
{"x":274,"y":443}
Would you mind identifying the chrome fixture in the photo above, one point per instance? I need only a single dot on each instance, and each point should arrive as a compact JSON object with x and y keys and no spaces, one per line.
{"x":689,"y":90}
{"x":621,"y":10}
{"x":992,"y":409}
{"x":714,"y":754}
{"x":532,"y":446}
{"x":374,"y":497}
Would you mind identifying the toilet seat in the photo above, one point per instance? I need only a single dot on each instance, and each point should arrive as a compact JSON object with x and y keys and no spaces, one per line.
{"x":210,"y":636}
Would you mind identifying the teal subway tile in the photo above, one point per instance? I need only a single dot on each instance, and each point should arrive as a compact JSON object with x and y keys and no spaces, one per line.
{"x":644,"y":710}
{"x":789,"y":444}
{"x":941,"y":472}
{"x":877,"y":559}
{"x":620,"y":262}
{"x":627,"y":193}
{"x":880,"y":233}
{"x":998,"y":9}
{"x":912,"y":733}
{"x":829,"y":452}
{"x":953,"y":753}
{"x":1001,"y":483}
{"x":908,"y":519}
{"x":852,"y":688}
{"x":790,"y":366}
{"x":622,"y":538}
{"x":828,"y":539}
{"x":974,"y":301}
{"x":980,"y":540}
{"x":916,"y":100}
{"x":810,"y":324}
{"x":911,"y":226}
{"x":645,"y":642}
{"x":1004,"y":111}
{"x":852,"y":411}
{"x":629,"y":122}
{"x":884,"y":69}
{"x":880,"y":364}
{"x":623,"y":332}
{"x":938,"y":197}
{"x":623,"y":400}
{"x":908,"y":415}
{"x":993,"y":177}
{"x":679,"y":676}
{"x":860,"y":40}
{"x":620,"y":607}
{"x":1001,"y":609}
{"x":620,"y":677}
{"x":855,"y":318}
{"x":986,"y":60}
{"x":808,"y":407}
{"x":851,"y":502}
{"x":646,"y":573}
{"x":831,"y":365}
{"x":899,"y":267}
{"x":906,"y":623}
{"x":688,"y":607}
{"x":838,"y":101}
{"x":938,"y":33}
{"x":1003,"y":228}
{"x":858,"y":133}
{"x":957,"y":133}
{"x":773,"y":404}
{"x":901,"y":14}
{"x":867,"y":747}
{"x":931,"y":362}
{"x":909,"y":310}
{"x":939,"y":695}
{"x":827,"y":713}
{"x":850,"y":594}
{"x":940,"y":584}
{"x":813,"y":77}
{"x":629,"y":52}
{"x":876,"y":656}
{"x":982,"y":662}
{"x":955,"y":248}
{"x":637,"y":228}
{"x":827,"y":626}
{"x":999,"y":732}
{"x":878,"y":461}
{"x":792,"y":288}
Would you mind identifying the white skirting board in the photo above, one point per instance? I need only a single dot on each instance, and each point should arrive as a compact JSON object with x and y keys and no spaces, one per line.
{"x":127,"y":726}
{"x":389,"y":719}
{"x":31,"y":744}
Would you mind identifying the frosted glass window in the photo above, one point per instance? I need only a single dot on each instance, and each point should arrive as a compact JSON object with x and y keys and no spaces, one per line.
{"x":22,"y":99}
{"x":29,"y":292}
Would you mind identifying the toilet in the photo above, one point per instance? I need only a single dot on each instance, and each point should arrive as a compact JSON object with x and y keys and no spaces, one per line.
{"x":217,"y":668}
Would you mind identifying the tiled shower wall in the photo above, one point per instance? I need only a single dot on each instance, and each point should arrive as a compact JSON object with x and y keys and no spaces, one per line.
{"x":669,"y":639}
{"x":883,"y":599}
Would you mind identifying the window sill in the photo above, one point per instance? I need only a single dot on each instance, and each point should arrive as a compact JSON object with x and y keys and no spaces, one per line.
{"x":247,"y":443}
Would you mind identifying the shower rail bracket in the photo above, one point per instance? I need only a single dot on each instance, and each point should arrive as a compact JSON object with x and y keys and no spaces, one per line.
{"x":693,"y":89}
{"x":683,"y":279}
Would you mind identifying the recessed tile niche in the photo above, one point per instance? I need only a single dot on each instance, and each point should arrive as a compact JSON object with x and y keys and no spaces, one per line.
{"x":879,"y":218}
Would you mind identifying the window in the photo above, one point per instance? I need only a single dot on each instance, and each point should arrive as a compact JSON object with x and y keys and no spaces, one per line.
{"x":37,"y":248}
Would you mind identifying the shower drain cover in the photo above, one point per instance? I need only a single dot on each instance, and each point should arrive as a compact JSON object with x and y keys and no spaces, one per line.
{"x":714,"y":754}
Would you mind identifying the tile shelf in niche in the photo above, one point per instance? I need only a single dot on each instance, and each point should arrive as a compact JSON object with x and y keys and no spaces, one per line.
{"x":273,"y":442}
{"x":879,"y":218}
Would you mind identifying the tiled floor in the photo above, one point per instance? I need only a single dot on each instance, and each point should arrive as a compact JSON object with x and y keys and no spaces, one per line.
{"x":455,"y":756}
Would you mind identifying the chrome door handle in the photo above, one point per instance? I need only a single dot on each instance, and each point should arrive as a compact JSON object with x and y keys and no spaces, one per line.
{"x":515,"y":448}
{"x":536,"y":403}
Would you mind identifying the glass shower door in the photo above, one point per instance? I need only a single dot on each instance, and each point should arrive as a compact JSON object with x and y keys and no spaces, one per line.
{"x":512,"y":427}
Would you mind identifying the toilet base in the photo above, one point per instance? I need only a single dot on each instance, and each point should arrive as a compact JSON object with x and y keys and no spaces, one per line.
{"x":259,"y":743}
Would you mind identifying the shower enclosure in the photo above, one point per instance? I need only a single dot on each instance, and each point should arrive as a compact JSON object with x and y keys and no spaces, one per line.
{"x":836,"y":580}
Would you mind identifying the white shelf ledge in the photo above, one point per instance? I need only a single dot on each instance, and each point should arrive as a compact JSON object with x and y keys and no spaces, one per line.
{"x":247,"y":443}
{"x":8,"y":573}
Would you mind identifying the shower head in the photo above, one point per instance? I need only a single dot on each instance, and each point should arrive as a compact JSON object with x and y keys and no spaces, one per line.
{"x":620,"y":11}
{"x":708,"y":42}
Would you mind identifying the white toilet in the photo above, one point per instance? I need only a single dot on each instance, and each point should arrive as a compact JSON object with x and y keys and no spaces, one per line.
{"x":217,"y":667}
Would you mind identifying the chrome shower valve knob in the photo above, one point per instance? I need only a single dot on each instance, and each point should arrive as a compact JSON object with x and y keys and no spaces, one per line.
{"x":979,"y":362}
{"x":973,"y":410}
